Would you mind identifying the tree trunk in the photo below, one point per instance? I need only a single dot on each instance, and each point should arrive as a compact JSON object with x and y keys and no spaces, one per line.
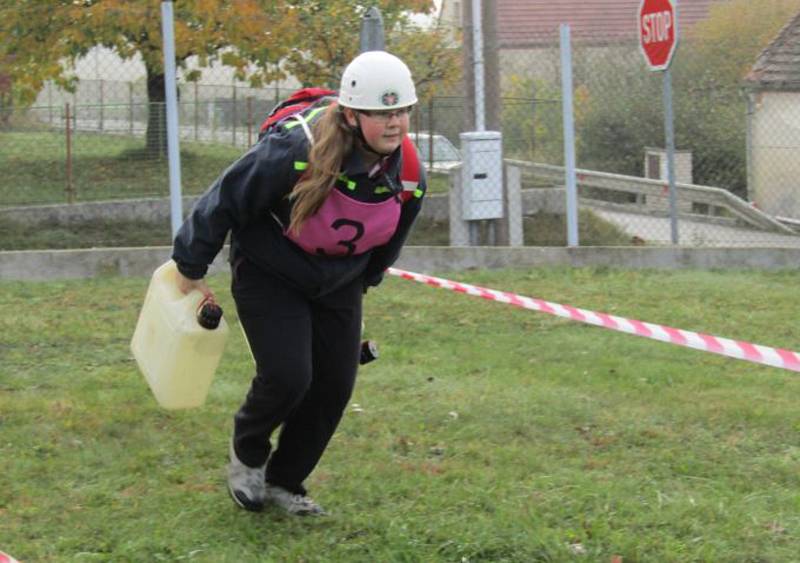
{"x":156,"y":135}
{"x":6,"y":100}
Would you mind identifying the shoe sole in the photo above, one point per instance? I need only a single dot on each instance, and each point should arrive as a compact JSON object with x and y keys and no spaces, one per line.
{"x":244,"y":502}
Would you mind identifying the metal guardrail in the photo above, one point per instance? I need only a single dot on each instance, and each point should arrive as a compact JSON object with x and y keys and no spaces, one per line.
{"x":644,"y":188}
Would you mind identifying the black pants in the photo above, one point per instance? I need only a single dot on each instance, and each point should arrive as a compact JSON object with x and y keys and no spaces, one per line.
{"x":306,"y":354}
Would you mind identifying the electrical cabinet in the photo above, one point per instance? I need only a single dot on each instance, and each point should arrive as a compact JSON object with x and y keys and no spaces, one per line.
{"x":482,"y":175}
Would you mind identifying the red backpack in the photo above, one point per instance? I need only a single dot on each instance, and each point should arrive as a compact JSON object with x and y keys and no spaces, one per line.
{"x":300,"y":100}
{"x":297,"y":102}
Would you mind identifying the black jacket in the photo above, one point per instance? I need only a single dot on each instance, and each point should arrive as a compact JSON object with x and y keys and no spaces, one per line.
{"x":249,"y":201}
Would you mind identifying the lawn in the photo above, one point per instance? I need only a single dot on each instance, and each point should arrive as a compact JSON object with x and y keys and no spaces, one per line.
{"x":483,"y":433}
{"x":104,"y":167}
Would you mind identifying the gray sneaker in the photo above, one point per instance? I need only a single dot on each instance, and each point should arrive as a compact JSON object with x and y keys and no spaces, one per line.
{"x":299,"y":505}
{"x":245,"y":483}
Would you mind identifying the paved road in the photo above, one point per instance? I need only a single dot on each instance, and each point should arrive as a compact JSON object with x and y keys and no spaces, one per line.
{"x":695,"y":233}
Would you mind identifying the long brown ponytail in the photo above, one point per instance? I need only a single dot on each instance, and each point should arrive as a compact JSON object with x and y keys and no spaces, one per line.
{"x":333,"y":140}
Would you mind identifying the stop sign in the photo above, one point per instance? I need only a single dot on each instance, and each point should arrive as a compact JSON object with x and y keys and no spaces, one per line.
{"x":658,"y":32}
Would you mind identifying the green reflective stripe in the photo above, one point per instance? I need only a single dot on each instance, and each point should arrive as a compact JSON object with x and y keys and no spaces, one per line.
{"x":294,"y":122}
{"x":298,"y":165}
{"x":351,"y":185}
{"x":418,"y":192}
{"x":315,"y":112}
{"x":382,"y":190}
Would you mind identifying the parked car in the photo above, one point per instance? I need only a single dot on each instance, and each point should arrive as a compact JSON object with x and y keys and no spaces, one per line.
{"x":445,"y":153}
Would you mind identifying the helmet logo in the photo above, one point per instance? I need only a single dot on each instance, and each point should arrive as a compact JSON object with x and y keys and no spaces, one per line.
{"x":390,"y":98}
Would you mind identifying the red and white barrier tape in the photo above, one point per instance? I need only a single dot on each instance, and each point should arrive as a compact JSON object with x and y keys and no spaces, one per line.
{"x":776,"y":357}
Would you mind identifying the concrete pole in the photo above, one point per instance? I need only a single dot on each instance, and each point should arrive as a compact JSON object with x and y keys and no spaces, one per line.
{"x":372,"y":36}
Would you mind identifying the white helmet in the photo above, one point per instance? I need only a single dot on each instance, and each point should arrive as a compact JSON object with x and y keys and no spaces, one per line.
{"x":377,"y":80}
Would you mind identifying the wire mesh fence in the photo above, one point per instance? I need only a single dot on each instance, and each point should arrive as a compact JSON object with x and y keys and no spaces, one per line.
{"x":738,"y":148}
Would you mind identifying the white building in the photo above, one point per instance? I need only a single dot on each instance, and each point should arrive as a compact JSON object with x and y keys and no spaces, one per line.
{"x":773,"y":132}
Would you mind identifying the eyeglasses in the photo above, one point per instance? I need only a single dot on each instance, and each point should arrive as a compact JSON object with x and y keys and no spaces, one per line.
{"x":384,"y":116}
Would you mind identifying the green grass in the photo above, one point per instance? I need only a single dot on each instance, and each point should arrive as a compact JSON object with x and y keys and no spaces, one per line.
{"x":108,"y":167}
{"x":52,"y":235}
{"x":103,"y":167}
{"x":485,"y":432}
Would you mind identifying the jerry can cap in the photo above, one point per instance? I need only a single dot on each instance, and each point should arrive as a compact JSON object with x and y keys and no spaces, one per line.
{"x":209,"y":315}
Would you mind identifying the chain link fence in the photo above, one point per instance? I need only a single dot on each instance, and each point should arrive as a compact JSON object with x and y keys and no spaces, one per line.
{"x":737,"y":150}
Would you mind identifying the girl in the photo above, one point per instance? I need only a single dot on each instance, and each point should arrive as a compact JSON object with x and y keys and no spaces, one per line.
{"x":317,"y":210}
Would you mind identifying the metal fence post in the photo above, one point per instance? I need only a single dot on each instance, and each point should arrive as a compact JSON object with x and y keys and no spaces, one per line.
{"x":234,"y":116}
{"x":70,"y":189}
{"x":173,"y":146}
{"x":430,"y":131}
{"x":196,"y":113}
{"x":569,"y":137}
{"x":130,"y":108}
{"x":249,"y":120}
{"x":101,"y":116}
{"x":49,"y":102}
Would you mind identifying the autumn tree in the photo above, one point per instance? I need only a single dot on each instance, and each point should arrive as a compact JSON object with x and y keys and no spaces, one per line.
{"x":261,"y":39}
{"x":623,"y":114}
{"x":710,"y":67}
{"x":329,"y":40}
{"x":724,"y":46}
{"x":46,"y":38}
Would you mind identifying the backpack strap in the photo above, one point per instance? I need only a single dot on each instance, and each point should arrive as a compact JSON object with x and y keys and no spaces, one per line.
{"x":304,"y":124}
{"x":409,"y":170}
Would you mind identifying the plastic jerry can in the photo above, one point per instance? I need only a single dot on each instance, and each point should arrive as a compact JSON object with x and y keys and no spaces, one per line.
{"x":176,"y":355}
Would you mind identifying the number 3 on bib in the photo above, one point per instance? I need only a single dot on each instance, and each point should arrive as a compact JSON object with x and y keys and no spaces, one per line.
{"x":349,"y":244}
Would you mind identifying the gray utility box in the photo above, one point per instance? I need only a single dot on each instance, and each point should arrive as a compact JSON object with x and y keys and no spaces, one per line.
{"x":482,"y":175}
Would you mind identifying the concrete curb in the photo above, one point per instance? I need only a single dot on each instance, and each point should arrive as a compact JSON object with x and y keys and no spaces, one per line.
{"x":157,"y":209}
{"x":39,"y":265}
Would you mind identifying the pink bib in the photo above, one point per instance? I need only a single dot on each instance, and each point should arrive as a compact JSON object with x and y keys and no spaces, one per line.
{"x":344,"y":226}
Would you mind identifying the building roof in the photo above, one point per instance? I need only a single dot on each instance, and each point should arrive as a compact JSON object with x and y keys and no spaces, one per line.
{"x":522,"y":23}
{"x":778,"y":66}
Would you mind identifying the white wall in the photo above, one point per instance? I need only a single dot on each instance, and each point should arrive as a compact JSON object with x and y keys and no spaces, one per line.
{"x":775,"y":158}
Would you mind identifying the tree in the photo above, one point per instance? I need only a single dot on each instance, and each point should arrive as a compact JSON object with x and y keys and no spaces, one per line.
{"x":262,"y":39}
{"x":48,"y":36}
{"x":726,"y":44}
{"x":718,"y":52}
{"x":623,"y":115}
{"x":330,"y":40}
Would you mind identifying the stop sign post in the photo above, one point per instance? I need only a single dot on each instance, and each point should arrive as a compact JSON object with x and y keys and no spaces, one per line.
{"x":657,"y":22}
